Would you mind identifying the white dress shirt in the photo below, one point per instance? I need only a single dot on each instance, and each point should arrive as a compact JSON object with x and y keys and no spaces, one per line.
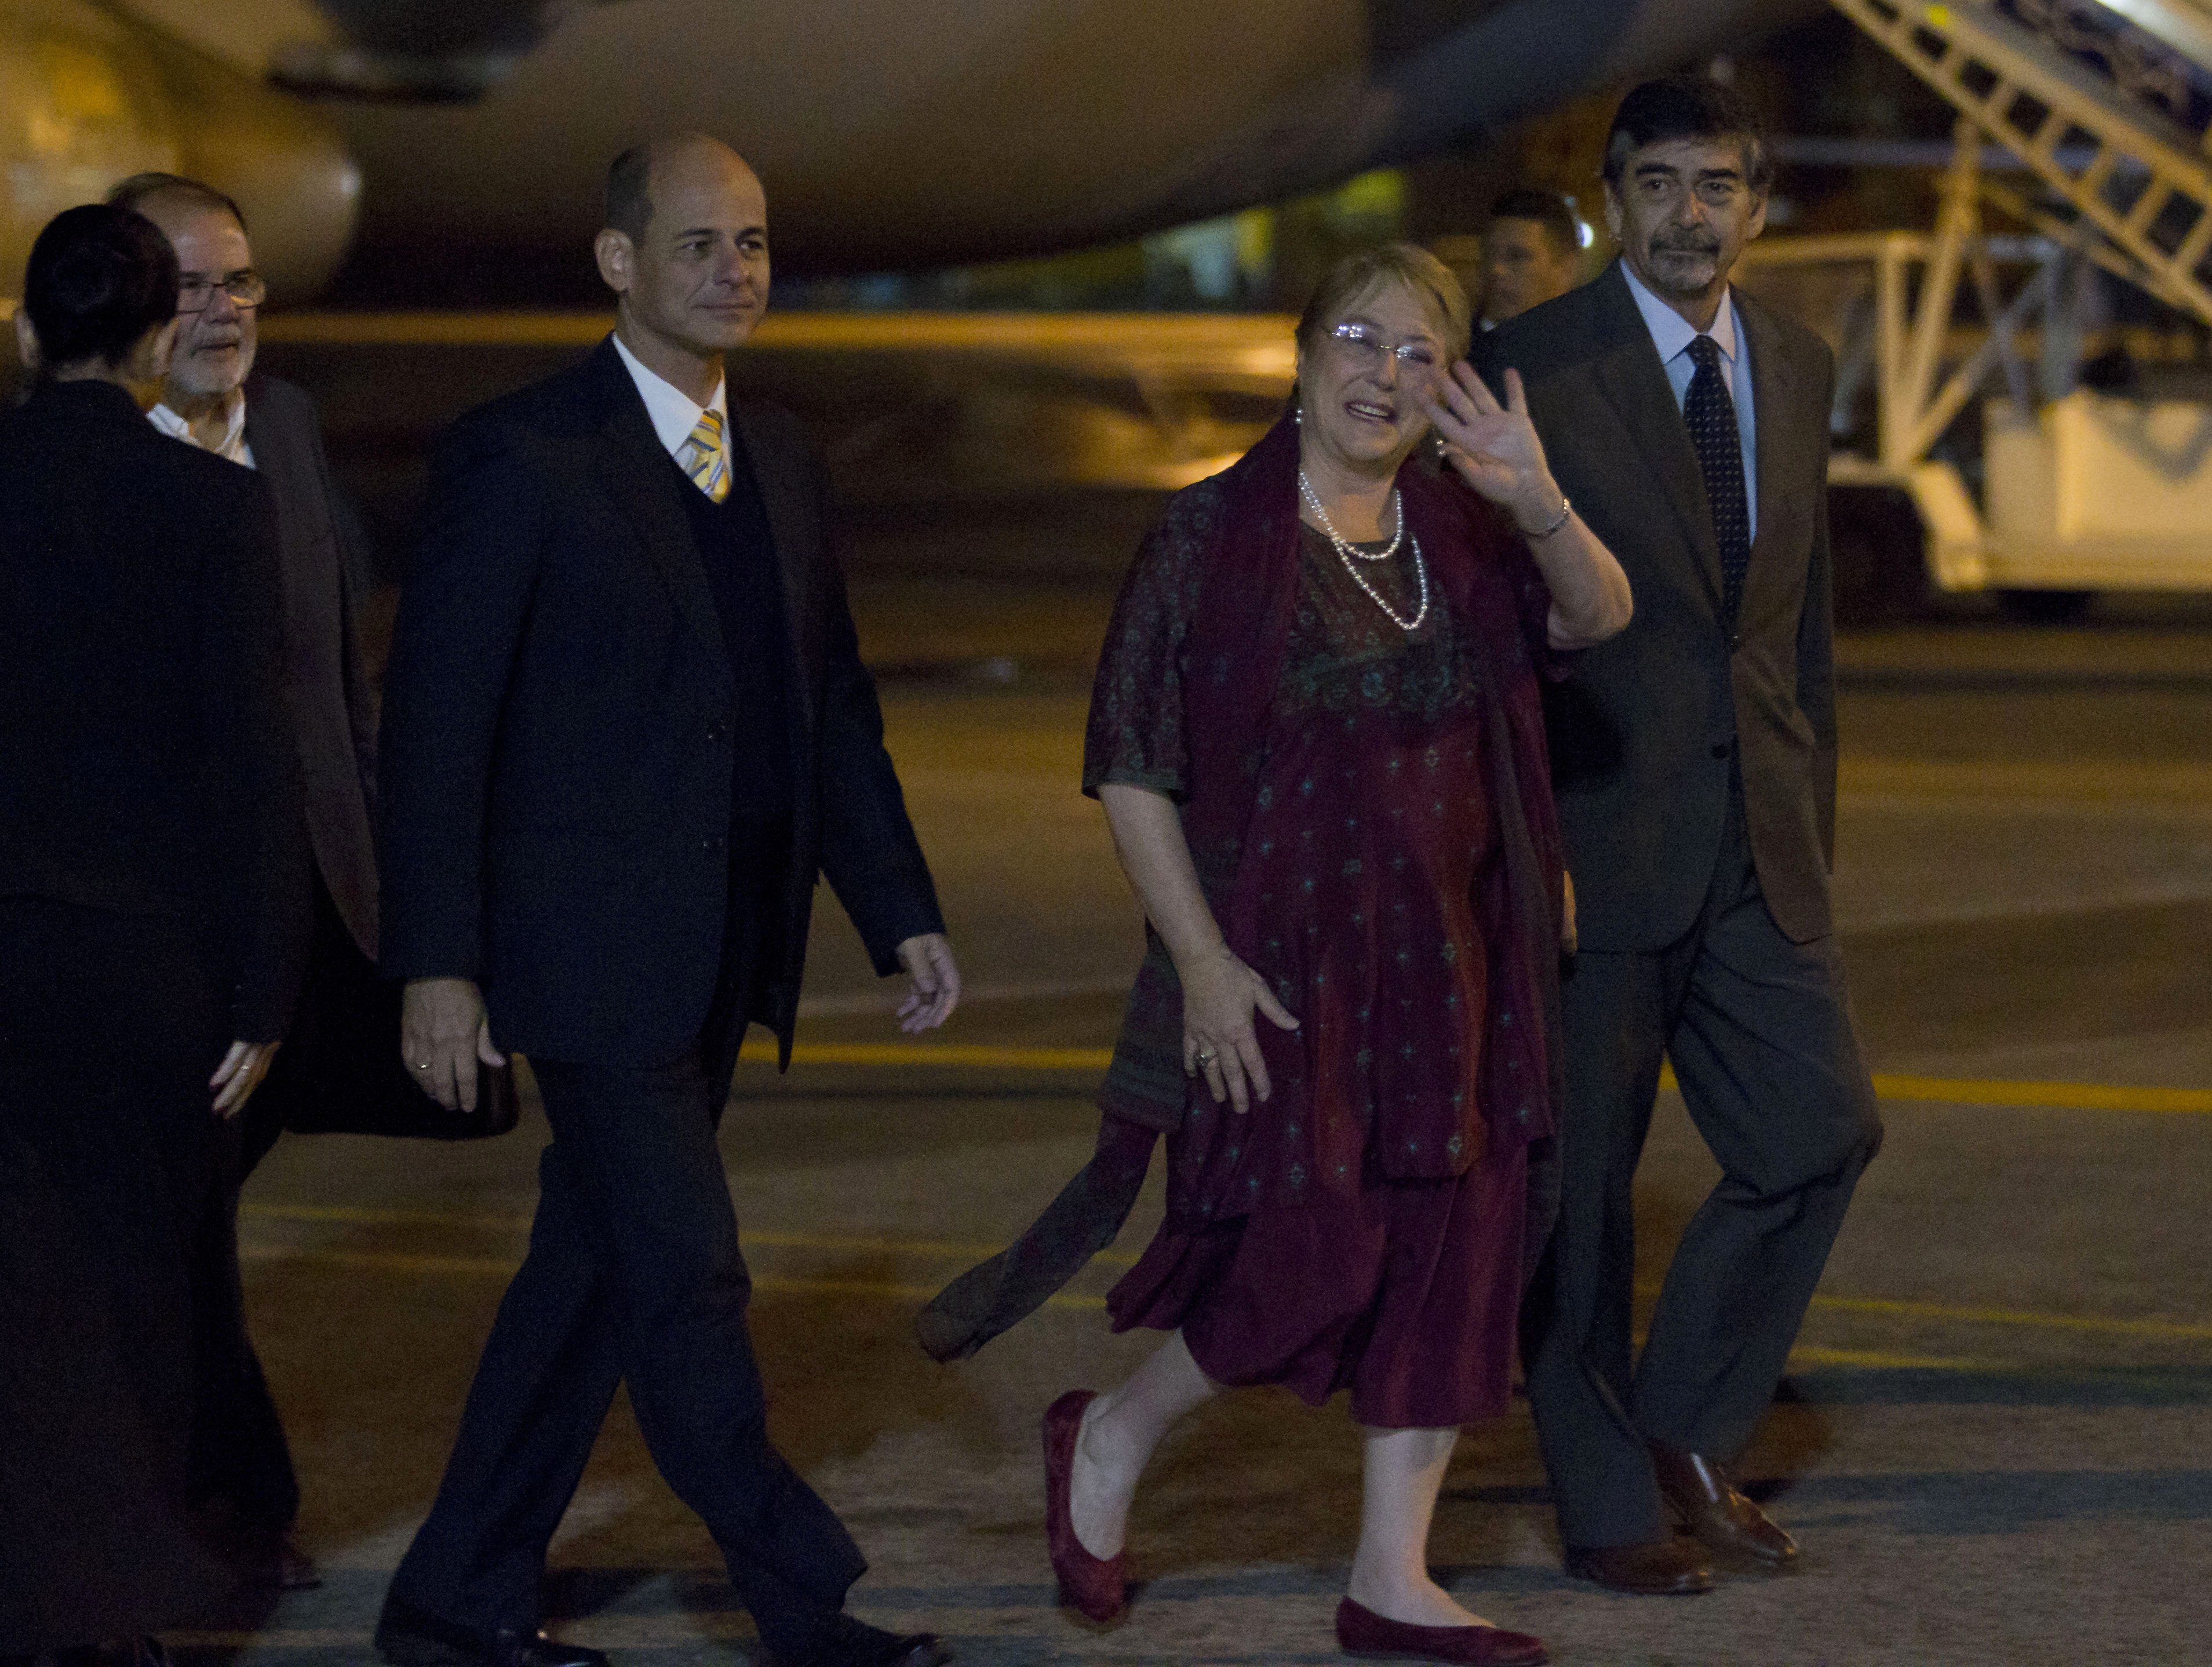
{"x":674,"y":412}
{"x":1672,"y":335}
{"x":233,"y":445}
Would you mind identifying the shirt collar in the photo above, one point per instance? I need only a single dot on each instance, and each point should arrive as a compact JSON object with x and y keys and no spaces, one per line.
{"x":1671,"y":332}
{"x":674,"y":412}
{"x":233,"y":444}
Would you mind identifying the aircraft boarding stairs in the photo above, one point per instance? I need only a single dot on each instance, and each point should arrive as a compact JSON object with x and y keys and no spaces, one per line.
{"x":2109,"y":103}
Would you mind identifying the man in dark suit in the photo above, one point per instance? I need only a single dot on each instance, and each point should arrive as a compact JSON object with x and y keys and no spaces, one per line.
{"x":1695,"y":760}
{"x":626,"y":728}
{"x":212,"y":399}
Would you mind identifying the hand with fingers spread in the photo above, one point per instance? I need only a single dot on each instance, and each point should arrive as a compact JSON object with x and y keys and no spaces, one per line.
{"x":1219,"y":995}
{"x":1494,"y":447}
{"x":444,"y":1036}
{"x":1495,"y":450}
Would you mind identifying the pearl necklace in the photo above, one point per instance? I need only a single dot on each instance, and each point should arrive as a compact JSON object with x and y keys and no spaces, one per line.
{"x":1346,"y":553}
{"x":1343,"y":546}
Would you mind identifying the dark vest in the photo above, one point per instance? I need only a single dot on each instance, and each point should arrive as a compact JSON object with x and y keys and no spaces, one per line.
{"x":739,"y":552}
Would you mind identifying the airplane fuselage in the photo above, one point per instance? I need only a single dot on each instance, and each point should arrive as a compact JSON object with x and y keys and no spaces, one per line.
{"x":891,"y":133}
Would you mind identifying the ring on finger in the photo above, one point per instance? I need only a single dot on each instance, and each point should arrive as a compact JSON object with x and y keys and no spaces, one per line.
{"x":421,"y":1064}
{"x":1203,"y":1058}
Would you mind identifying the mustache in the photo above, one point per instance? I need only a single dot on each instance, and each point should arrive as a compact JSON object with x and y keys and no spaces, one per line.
{"x":1687,"y":243}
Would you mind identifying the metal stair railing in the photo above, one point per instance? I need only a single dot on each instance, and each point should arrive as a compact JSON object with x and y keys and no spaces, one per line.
{"x":2073,"y":103}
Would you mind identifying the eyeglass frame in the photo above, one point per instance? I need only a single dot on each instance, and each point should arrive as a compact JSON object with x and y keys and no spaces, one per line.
{"x":1365,"y":339}
{"x":247,"y":277}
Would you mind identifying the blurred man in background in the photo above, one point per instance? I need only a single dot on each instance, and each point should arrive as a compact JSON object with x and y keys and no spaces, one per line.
{"x":1531,"y":252}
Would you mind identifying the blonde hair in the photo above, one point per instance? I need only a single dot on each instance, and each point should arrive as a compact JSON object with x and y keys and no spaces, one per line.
{"x":1357,"y":275}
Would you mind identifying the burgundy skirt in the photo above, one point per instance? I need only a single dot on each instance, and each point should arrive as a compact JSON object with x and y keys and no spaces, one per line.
{"x":1405,"y":1292}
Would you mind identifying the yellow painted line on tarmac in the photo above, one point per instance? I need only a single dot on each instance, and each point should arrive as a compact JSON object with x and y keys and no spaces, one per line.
{"x":402,"y":1262}
{"x":860,"y":1287}
{"x":360,"y":1215}
{"x":2167,"y":1330}
{"x":1878,"y":1360}
{"x":491,"y":1267}
{"x":2032,"y":1319}
{"x":2063,"y":1096}
{"x":2094,"y":783}
{"x":961,"y":1250}
{"x":385,"y":1261}
{"x":366,"y":1215}
{"x":2057,"y":1096}
{"x":1957,"y":1091}
{"x":369,"y":1216}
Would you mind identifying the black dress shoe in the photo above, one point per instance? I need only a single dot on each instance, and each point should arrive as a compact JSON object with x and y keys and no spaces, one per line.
{"x":1650,"y":1568}
{"x":409,"y":1637}
{"x":846,"y":1642}
{"x":1724,"y":1520}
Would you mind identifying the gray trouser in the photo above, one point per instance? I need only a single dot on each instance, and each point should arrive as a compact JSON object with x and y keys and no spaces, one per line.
{"x":1759,"y":1031}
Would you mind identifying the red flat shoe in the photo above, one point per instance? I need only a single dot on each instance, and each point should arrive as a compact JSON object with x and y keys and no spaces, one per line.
{"x":1361,"y":1632}
{"x":1091,"y":1586}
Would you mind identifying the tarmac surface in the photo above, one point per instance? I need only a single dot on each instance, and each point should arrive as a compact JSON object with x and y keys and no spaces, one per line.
{"x":1993,"y":1440}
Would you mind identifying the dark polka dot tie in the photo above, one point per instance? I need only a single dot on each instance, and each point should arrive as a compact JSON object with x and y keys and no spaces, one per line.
{"x":1711,"y":416}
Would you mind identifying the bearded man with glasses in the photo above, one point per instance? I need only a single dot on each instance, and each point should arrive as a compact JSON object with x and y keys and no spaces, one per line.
{"x":211,"y":399}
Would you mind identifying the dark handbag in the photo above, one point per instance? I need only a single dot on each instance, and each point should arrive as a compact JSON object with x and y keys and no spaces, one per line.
{"x":339,"y":1071}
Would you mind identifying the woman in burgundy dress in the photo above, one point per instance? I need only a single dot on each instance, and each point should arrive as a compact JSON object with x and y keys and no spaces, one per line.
{"x":1317,"y":735}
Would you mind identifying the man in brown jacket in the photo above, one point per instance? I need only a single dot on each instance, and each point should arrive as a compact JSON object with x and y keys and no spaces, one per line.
{"x":1695,"y":760}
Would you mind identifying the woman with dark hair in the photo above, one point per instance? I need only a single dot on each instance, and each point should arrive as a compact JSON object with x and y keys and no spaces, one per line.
{"x":1317,"y":735}
{"x":153,"y":916}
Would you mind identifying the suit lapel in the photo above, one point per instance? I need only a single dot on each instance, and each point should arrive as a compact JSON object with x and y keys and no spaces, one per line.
{"x":1634,"y":380}
{"x":1776,"y":391}
{"x":276,"y":459}
{"x":638,"y":471}
{"x":792,"y":531}
{"x":285,"y":466}
{"x":312,"y":604}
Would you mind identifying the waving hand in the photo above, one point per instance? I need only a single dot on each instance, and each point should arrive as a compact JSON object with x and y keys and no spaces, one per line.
{"x":1494,"y":447}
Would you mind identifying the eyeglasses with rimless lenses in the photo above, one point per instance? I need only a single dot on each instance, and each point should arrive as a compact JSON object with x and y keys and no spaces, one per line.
{"x":244,"y":287}
{"x":1366,"y":347}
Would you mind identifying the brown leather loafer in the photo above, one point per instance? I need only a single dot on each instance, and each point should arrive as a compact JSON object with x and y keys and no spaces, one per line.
{"x":1650,"y":1568}
{"x":1721,"y":1519}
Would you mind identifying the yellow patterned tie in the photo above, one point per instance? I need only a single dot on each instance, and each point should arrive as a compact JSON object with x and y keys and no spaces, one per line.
{"x":703,"y":457}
